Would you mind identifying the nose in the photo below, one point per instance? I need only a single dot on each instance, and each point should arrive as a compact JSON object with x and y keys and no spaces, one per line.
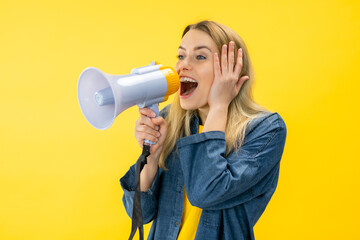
{"x":184,"y":65}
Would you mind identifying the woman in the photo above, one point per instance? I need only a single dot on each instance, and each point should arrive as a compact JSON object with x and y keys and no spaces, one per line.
{"x":212,"y":183}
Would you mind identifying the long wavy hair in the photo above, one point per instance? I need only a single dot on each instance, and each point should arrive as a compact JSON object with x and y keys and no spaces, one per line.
{"x":241,"y":110}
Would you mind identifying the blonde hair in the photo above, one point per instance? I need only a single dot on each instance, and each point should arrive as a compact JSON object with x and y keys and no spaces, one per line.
{"x":241,"y":110}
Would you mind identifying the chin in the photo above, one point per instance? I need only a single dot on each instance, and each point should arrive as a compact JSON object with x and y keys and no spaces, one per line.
{"x":187,"y":105}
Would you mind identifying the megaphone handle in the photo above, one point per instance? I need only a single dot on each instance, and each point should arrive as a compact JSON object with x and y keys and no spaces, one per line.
{"x":155,"y":108}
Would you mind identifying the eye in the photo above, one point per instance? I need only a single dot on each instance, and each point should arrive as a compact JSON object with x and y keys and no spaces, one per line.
{"x":200,"y":57}
{"x":180,"y":57}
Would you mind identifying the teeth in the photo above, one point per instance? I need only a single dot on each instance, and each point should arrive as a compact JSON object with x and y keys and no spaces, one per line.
{"x":186,"y":79}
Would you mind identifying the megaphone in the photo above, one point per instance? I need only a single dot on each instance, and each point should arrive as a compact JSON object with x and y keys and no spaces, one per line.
{"x":103,"y":97}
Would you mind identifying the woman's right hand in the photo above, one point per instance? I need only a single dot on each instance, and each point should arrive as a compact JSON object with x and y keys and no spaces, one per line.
{"x":152,"y":129}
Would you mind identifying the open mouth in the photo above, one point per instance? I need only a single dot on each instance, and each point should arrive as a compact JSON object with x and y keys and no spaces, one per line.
{"x":187,"y":86}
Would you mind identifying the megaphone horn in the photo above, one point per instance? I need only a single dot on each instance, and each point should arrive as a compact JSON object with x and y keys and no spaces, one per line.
{"x":103,"y":97}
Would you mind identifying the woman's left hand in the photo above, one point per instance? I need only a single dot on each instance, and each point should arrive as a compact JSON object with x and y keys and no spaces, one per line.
{"x":226,"y":83}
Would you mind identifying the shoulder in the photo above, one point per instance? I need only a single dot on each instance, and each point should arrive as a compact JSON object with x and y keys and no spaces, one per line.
{"x":266,"y":121}
{"x":265,"y":126}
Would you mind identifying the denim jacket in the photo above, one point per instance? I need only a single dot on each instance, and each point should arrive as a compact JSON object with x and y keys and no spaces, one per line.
{"x":232,"y":191}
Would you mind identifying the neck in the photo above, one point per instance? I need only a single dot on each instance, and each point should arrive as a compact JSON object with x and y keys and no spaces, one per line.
{"x":203,"y":112}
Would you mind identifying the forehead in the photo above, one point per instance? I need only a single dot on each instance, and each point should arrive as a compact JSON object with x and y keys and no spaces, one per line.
{"x":195,"y":38}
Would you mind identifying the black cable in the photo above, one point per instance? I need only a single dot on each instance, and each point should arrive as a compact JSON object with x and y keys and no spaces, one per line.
{"x":137,"y":220}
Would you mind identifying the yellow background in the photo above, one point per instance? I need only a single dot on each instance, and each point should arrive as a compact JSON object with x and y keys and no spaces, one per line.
{"x":59,"y":177}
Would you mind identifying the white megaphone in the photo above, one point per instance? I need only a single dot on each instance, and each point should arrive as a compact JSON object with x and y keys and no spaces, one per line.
{"x":103,"y":97}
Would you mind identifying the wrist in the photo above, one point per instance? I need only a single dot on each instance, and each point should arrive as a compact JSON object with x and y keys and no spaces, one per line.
{"x":219,"y":109}
{"x":216,"y":119}
{"x":153,"y":159}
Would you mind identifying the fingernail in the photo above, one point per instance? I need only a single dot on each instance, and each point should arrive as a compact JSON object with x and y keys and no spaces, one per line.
{"x":158,"y":134}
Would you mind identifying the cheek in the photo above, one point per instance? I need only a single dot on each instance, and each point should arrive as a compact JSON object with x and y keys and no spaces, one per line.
{"x":206,"y":85}
{"x":209,"y":81}
{"x":206,"y":89}
{"x":208,"y":76}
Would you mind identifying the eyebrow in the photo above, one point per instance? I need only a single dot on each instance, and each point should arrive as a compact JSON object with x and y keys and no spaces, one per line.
{"x":196,"y":48}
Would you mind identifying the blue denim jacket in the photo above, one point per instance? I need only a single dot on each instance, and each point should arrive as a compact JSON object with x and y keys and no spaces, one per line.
{"x":233,"y":191}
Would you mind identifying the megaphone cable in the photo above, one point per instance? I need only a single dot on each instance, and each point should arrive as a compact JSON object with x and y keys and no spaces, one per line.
{"x":137,"y":220}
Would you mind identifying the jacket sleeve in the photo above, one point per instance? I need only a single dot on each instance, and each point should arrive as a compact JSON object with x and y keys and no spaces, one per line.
{"x":214,"y":181}
{"x":148,"y":198}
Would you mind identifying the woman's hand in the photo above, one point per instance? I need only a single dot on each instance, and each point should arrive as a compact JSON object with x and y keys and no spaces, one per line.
{"x":152,"y":129}
{"x":226,"y":83}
